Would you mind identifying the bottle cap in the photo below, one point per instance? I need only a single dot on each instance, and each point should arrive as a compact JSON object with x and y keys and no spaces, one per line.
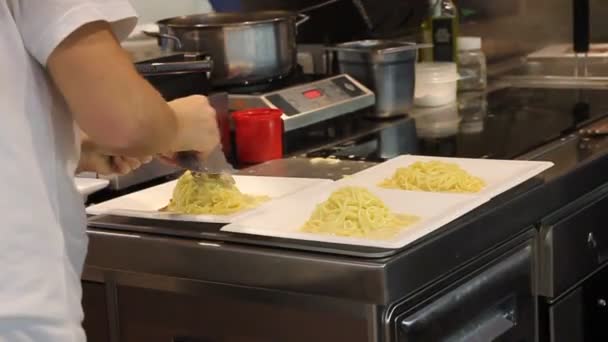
{"x":469,"y":43}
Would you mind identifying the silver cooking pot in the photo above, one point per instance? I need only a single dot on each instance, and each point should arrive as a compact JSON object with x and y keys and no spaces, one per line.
{"x":245,"y":47}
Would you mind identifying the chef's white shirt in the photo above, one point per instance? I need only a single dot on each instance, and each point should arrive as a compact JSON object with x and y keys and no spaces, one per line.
{"x":42,"y":224}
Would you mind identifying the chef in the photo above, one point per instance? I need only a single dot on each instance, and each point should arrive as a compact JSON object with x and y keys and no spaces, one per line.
{"x":62,"y":71}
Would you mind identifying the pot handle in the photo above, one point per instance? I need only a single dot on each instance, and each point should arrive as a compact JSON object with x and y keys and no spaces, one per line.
{"x":302,"y":18}
{"x":158,"y":35}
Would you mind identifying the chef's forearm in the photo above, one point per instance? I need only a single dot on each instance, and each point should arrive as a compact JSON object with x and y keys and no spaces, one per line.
{"x":110,"y":101}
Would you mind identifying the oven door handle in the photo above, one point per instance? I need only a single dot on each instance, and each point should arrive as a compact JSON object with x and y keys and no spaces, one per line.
{"x":487,"y":327}
{"x":483,"y":308}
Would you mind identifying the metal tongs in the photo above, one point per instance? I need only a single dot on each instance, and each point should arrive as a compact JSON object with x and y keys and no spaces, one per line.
{"x":214,"y":166}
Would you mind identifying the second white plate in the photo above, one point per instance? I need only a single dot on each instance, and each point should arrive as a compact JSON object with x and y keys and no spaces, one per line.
{"x":284,"y":218}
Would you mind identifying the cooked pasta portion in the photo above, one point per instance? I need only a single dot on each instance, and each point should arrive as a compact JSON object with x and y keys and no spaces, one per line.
{"x":434,"y":176}
{"x":204,"y":194}
{"x":356,"y":212}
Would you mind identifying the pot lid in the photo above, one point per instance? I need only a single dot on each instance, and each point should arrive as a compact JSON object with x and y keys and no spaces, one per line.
{"x":226,"y":19}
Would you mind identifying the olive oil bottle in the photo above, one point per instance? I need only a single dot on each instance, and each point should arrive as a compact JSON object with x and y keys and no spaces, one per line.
{"x":441,"y":29}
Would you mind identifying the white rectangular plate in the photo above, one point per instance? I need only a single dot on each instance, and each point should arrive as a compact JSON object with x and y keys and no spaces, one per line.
{"x":499,"y":175}
{"x":284,"y":218}
{"x":146,"y":203}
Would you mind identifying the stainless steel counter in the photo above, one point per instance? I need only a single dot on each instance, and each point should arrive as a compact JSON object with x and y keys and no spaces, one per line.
{"x":309,"y":168}
{"x":381,"y":280}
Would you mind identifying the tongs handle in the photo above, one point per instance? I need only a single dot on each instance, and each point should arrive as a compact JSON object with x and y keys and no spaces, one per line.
{"x":188,"y":160}
{"x":215,"y":163}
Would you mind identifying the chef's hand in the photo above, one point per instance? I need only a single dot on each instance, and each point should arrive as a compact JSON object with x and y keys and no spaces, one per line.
{"x":92,"y":159}
{"x":197,"y":126}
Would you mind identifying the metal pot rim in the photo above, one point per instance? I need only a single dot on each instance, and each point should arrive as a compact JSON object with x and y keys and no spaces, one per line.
{"x":247,"y":19}
{"x":377,"y":47}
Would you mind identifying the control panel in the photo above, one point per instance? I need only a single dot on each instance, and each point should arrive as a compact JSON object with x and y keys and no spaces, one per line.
{"x":313,"y":102}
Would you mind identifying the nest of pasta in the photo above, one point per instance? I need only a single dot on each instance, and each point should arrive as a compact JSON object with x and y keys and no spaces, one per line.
{"x":356,"y":212}
{"x":434,"y":176}
{"x":204,"y":194}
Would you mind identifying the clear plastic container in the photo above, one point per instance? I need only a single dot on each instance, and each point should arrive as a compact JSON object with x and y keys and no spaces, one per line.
{"x":471,"y":64}
{"x":436,"y":84}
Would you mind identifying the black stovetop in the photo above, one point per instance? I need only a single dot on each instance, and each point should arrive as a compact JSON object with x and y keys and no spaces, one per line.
{"x":504,"y":124}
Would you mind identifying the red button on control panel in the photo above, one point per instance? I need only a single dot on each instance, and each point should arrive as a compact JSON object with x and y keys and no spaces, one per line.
{"x":312,"y":94}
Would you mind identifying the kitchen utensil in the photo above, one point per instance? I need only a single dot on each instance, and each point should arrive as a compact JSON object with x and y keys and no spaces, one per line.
{"x":386,"y":67}
{"x":245,"y":47}
{"x":192,"y":63}
{"x":215,"y":163}
{"x":219,"y":102}
{"x":366,"y":19}
{"x":177,"y":75}
{"x":259,"y":135}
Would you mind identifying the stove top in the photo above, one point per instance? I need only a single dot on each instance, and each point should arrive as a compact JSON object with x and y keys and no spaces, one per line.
{"x":504,"y":124}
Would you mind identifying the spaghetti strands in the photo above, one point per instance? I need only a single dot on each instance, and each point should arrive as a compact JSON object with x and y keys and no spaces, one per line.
{"x":434,"y":176}
{"x":356,"y":212}
{"x":203,"y":194}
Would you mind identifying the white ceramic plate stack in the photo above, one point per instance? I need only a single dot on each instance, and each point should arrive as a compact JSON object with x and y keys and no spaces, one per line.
{"x":285,"y":218}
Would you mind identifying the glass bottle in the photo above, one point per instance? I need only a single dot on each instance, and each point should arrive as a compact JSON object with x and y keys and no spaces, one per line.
{"x":441,"y":29}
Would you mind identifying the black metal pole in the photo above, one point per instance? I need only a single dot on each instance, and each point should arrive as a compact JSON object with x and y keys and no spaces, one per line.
{"x":580,"y":25}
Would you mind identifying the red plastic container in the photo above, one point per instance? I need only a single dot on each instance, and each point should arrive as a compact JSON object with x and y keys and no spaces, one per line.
{"x":258,"y":135}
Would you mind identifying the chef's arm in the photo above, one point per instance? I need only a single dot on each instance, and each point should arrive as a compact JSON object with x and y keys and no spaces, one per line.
{"x":109,"y":100}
